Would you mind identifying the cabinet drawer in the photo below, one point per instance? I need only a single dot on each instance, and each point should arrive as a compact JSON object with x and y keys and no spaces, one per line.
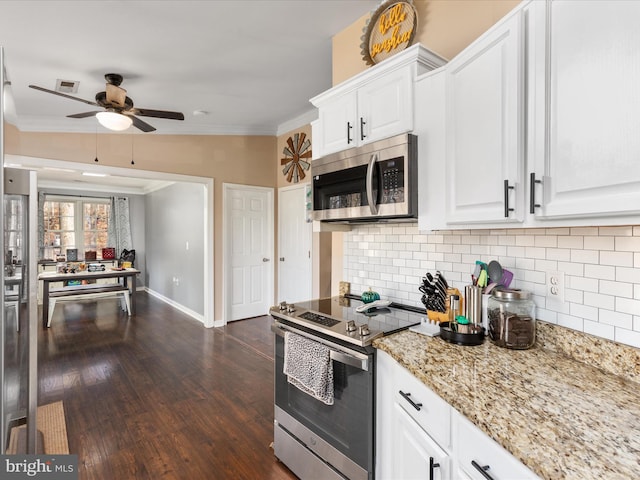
{"x":425,"y":407}
{"x":474,"y":447}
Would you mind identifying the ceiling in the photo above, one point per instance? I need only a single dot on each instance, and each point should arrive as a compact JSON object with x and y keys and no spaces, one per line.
{"x":250,"y":66}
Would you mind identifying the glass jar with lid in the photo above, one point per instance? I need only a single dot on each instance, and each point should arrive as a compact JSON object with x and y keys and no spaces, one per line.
{"x":512,"y":319}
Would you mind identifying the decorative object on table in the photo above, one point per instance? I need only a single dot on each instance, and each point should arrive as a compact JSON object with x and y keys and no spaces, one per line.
{"x":297,"y":149}
{"x":125,"y":264}
{"x":90,"y":255}
{"x":72,"y":254}
{"x":96,"y":267}
{"x":60,"y":258}
{"x":370,"y":296}
{"x":512,"y":319}
{"x":127,"y":256}
{"x":108,"y":253}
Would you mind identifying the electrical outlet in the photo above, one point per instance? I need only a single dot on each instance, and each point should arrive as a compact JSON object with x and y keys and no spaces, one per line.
{"x":555,"y":288}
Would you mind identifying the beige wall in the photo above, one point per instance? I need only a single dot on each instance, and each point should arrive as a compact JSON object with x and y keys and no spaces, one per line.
{"x":445,"y":27}
{"x":246,"y":160}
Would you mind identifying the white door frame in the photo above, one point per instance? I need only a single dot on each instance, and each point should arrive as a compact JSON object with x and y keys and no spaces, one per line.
{"x":226,"y":270}
{"x":280,"y":253}
{"x":35,"y":163}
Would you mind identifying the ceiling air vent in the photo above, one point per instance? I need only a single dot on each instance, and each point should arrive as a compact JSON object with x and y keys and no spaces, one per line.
{"x":67,"y":86}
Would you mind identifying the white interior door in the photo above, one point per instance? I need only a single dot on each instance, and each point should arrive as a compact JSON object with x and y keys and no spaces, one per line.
{"x":294,"y":245}
{"x":248,"y":250}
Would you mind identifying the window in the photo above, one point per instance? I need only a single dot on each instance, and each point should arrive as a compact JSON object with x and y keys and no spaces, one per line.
{"x":74,"y":222}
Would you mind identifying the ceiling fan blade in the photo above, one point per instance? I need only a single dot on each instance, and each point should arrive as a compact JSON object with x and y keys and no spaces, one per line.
{"x":83,"y":115}
{"x":88,"y":102}
{"x":139,"y":124}
{"x":145,"y":112}
{"x":116,"y":95}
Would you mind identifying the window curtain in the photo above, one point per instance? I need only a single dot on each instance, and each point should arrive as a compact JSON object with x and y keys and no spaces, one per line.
{"x":119,"y":233}
{"x":41,"y":199}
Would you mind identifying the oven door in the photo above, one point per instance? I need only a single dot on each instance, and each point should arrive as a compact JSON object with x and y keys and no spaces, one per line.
{"x":347,"y":426}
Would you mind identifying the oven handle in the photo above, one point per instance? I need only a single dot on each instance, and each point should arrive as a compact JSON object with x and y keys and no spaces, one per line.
{"x":372,"y":201}
{"x":353,"y":359}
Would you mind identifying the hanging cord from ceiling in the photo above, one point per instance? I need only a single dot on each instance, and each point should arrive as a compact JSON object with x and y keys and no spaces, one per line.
{"x":96,"y":159}
{"x":132,"y":162}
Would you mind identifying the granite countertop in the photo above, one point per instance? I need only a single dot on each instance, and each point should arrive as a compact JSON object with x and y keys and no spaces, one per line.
{"x":562,"y":418}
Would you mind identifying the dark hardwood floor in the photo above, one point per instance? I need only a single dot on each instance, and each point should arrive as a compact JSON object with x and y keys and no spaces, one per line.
{"x":158,"y":395}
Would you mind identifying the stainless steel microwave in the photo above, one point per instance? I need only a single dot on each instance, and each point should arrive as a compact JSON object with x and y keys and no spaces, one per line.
{"x":377,"y":181}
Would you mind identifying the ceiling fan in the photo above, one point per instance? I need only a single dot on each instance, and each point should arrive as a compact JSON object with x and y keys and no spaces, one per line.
{"x":119,"y":113}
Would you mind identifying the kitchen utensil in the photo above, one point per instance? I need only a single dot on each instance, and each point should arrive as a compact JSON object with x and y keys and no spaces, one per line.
{"x":473,"y":303}
{"x":495,"y":272}
{"x":507,"y":277}
{"x":482,"y":278}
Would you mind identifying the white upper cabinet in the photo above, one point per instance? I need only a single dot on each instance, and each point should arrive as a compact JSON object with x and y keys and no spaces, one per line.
{"x":584,"y":69}
{"x":375,"y":104}
{"x":484,"y":128}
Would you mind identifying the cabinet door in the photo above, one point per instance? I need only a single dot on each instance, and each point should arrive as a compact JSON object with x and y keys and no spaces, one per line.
{"x":430,"y":130}
{"x":484,"y":122}
{"x":337,"y":124}
{"x":480,"y":457}
{"x":385,"y":386}
{"x":385,"y":107}
{"x":416,"y":455}
{"x":587,"y":146}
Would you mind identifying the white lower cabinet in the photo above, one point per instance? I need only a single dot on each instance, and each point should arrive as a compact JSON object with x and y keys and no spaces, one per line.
{"x":482,"y":458}
{"x":420,"y":436}
{"x":416,"y":454}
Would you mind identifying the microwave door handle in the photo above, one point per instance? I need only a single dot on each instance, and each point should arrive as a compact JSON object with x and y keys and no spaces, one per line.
{"x":370,"y":199}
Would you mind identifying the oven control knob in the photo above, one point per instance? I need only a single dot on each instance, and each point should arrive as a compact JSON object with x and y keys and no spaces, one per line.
{"x":351,"y":326}
{"x":364,"y":330}
{"x":291,"y":308}
{"x":282,"y":306}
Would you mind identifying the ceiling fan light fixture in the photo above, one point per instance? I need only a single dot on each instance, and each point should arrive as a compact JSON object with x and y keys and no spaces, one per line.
{"x":114,"y":121}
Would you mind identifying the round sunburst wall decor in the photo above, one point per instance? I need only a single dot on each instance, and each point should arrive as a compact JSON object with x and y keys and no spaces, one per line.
{"x":298,"y":149}
{"x":390,"y":29}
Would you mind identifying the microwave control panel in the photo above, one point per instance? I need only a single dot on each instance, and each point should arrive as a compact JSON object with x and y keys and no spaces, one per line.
{"x":392,"y":172}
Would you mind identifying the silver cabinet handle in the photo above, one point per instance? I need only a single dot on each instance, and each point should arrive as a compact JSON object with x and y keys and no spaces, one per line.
{"x":265,"y":259}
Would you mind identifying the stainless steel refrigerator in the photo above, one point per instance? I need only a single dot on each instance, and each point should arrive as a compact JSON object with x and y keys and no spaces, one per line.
{"x":18,"y":303}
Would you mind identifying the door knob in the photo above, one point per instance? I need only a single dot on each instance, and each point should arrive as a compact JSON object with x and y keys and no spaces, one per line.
{"x":265,"y":259}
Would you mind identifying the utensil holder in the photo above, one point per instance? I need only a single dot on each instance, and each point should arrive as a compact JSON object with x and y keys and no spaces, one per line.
{"x":444,"y":316}
{"x":473,"y":299}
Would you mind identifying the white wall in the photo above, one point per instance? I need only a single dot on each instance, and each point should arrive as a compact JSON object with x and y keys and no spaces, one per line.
{"x":601,"y":266}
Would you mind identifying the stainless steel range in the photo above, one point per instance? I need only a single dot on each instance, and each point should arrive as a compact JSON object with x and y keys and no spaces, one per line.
{"x":337,"y":441}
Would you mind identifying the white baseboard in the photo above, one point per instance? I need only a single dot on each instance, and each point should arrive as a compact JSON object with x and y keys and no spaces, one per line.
{"x":174,"y":304}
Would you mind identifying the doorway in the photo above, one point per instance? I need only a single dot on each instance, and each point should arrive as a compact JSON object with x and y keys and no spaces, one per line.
{"x":247,"y":250}
{"x":294,"y":245}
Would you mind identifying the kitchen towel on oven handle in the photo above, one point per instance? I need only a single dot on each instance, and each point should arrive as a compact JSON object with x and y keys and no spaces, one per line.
{"x":308,"y":366}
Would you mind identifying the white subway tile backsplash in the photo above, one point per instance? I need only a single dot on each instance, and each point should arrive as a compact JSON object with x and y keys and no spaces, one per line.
{"x":618,"y":259}
{"x":601,"y":267}
{"x":599,"y":243}
{"x":628,"y":244}
{"x":599,"y":329}
{"x":627,"y":305}
{"x":603,"y":272}
{"x":585,"y":256}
